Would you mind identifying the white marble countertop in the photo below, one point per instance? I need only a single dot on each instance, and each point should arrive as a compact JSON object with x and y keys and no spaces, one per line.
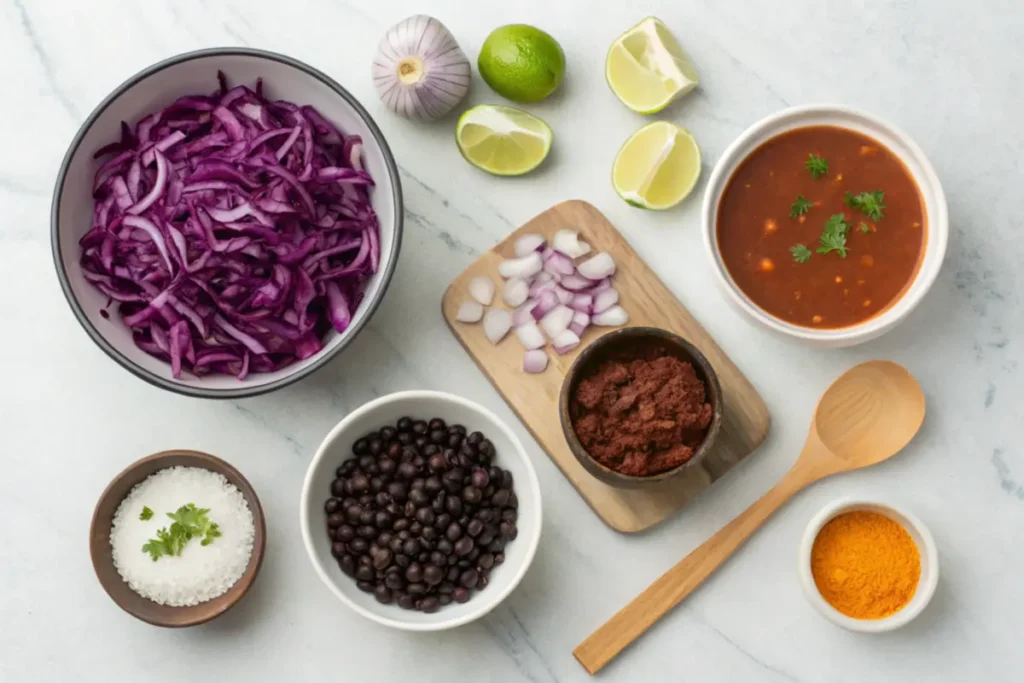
{"x":71,"y":418}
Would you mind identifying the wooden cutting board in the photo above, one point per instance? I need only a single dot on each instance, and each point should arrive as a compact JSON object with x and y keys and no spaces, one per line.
{"x":534,"y":398}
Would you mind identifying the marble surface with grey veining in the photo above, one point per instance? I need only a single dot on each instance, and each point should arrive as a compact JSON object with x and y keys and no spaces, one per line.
{"x":950,"y":73}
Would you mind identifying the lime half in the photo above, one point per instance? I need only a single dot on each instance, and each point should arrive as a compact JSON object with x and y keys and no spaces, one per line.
{"x":502,"y":140}
{"x":657,"y":167}
{"x":646,"y":68}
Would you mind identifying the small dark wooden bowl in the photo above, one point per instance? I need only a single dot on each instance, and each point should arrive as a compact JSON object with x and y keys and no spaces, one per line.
{"x":598,"y":351}
{"x":102,"y":554}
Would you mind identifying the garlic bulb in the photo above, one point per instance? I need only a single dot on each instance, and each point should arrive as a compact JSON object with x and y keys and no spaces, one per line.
{"x":419,"y":70}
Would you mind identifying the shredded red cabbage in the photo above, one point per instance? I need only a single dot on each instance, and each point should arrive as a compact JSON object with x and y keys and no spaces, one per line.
{"x":232,"y":232}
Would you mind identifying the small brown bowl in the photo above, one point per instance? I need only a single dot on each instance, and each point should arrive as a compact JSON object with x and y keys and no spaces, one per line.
{"x":598,"y":351}
{"x":102,"y":554}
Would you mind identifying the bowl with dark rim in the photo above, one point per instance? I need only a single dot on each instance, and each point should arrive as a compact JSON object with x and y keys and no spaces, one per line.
{"x":102,"y":554}
{"x":156,"y":87}
{"x":598,"y":351}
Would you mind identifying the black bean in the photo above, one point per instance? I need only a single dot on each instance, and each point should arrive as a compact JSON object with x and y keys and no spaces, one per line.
{"x":429,"y":535}
{"x":398,"y":491}
{"x":360,"y":483}
{"x":420,"y":441}
{"x":486,"y":448}
{"x":403,"y":560}
{"x":364,"y":573}
{"x":337,"y":549}
{"x":479,"y":478}
{"x":482,"y":582}
{"x":352,"y":513}
{"x":366,"y":462}
{"x":416,"y":588}
{"x":417,"y":484}
{"x":433,"y":485}
{"x":453,"y":505}
{"x":365,"y":586}
{"x":513,"y":501}
{"x":376,"y":483}
{"x":453,"y":574}
{"x":486,"y":561}
{"x":506,"y":479}
{"x":454,"y":532}
{"x":335,"y":520}
{"x":429,"y":605}
{"x":454,"y":440}
{"x":432,"y":574}
{"x":474,"y":527}
{"x":385,"y":539}
{"x":396,"y":545}
{"x":367,"y":531}
{"x":382,"y":559}
{"x":365,"y":500}
{"x":444,"y":599}
{"x":442,"y":521}
{"x":387,"y":433}
{"x":423,"y":557}
{"x":404,"y":424}
{"x":347,"y":564}
{"x":425,"y":516}
{"x":437,"y":436}
{"x":469,"y":578}
{"x":437,"y":505}
{"x":382,"y":594}
{"x":382,"y":520}
{"x":361,"y":446}
{"x":345,"y":533}
{"x":400,"y":525}
{"x":387,"y":467}
{"x":394,"y":581}
{"x":464,"y":546}
{"x":500,"y":498}
{"x":475,"y":438}
{"x":469,"y":450}
{"x":414,"y":573}
{"x":472,"y":495}
{"x":429,"y":450}
{"x":445,"y":546}
{"x":346,"y":468}
{"x":487,"y":535}
{"x":508,"y":531}
{"x":382,"y":499}
{"x":404,"y":438}
{"x":419,"y":497}
{"x":438,"y":558}
{"x":366,"y":516}
{"x":437,"y":462}
{"x":405,"y":601}
{"x":358,"y":546}
{"x":460,"y":594}
{"x":338,"y":487}
{"x":332,"y":505}
{"x":412,"y":546}
{"x":419,"y":427}
{"x":415,"y":528}
{"x":409,"y":453}
{"x":407,"y":470}
{"x":509,"y":515}
{"x":497,"y":545}
{"x":499,"y":558}
{"x":409,"y":510}
{"x":419,"y":461}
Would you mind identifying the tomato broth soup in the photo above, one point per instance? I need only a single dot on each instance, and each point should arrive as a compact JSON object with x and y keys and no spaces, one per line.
{"x":822,"y":227}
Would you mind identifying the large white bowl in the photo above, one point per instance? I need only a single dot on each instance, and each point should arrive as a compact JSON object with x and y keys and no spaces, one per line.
{"x":926,"y":548}
{"x":337,"y":447}
{"x":903,"y":147}
{"x":155,"y":88}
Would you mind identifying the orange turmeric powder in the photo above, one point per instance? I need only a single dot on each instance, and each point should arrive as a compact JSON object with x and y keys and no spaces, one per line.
{"x":865,"y":565}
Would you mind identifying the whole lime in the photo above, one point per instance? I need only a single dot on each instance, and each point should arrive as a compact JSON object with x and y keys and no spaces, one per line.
{"x":521,"y":63}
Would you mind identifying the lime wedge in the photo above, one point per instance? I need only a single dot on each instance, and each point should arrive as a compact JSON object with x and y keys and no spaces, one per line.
{"x":657,"y":166}
{"x":647,"y":69}
{"x":502,"y":140}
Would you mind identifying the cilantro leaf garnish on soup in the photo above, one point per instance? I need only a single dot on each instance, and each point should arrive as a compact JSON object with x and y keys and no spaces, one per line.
{"x":840,"y":253}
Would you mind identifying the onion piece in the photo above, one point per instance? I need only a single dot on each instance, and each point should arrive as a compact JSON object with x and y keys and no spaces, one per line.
{"x":604,"y":300}
{"x":581,"y":302}
{"x":597,"y":267}
{"x":576,"y":282}
{"x":527,"y":244}
{"x":558,"y":263}
{"x":481,"y":288}
{"x":516,"y":291}
{"x":497,"y":323}
{"x":530,"y":336}
{"x":565,"y":342}
{"x":564,"y":295}
{"x":535,"y":360}
{"x":556,"y":321}
{"x":580,"y":322}
{"x":470,"y":312}
{"x":523,"y":314}
{"x":419,"y":70}
{"x":613,"y":317}
{"x":545,"y":302}
{"x":567,"y":242}
{"x":521,"y":267}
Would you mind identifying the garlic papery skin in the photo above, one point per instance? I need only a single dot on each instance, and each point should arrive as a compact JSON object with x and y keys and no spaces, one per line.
{"x":420,"y":72}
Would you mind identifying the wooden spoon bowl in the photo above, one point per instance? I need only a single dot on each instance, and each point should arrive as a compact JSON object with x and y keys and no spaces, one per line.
{"x":866,"y":416}
{"x":102,"y":553}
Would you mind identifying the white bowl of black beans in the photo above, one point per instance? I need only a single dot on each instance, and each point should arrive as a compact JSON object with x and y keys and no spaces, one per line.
{"x":421,"y":511}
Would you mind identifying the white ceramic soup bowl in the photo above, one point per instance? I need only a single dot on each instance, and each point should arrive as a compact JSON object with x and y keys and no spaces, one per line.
{"x":926,"y":550}
{"x":337,"y":447}
{"x":904,"y":148}
{"x":155,"y":88}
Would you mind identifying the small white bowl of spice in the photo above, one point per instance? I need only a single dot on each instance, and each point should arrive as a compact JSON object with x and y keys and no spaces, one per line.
{"x":868,"y":566}
{"x":177,"y":538}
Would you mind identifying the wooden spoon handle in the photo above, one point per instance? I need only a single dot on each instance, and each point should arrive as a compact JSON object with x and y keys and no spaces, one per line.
{"x":679,"y":581}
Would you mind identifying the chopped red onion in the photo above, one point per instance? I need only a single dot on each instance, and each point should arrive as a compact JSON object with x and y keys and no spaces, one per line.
{"x":564,"y":295}
{"x":470,"y":312}
{"x":581,"y":302}
{"x":521,"y":267}
{"x":535,"y":360}
{"x":556,"y":321}
{"x":604,"y":300}
{"x":565,"y":342}
{"x":516,"y":291}
{"x":545,"y":302}
{"x":580,"y":322}
{"x":523,"y":314}
{"x":567,"y":242}
{"x":530,"y":336}
{"x":597,"y":267}
{"x":613,"y":317}
{"x":558,"y":264}
{"x":527,"y":244}
{"x":497,"y":323}
{"x":481,"y":288}
{"x":576,"y":282}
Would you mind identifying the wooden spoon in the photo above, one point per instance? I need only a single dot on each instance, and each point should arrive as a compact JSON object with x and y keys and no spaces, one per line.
{"x":868,"y":415}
